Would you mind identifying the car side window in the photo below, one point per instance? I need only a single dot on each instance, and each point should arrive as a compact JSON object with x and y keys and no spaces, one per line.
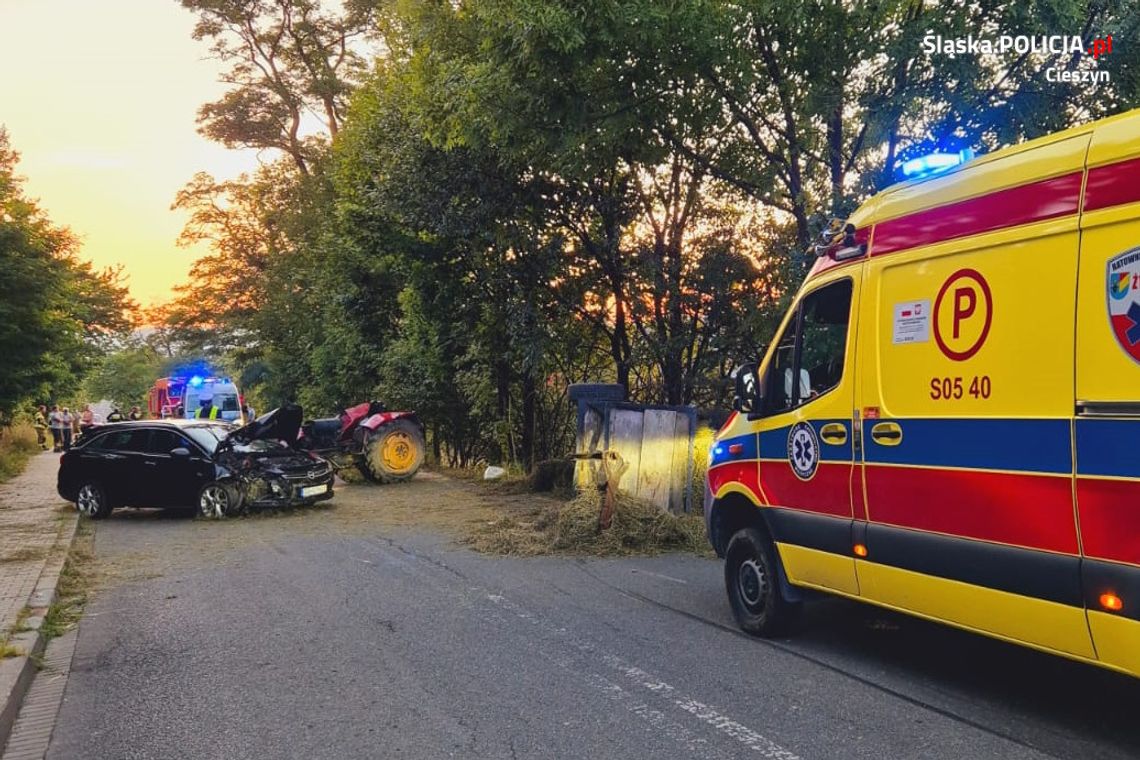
{"x":121,"y":440}
{"x":811,"y":351}
{"x":164,"y":441}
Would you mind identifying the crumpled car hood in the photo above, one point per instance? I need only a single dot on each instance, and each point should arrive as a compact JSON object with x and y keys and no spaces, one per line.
{"x":281,"y":424}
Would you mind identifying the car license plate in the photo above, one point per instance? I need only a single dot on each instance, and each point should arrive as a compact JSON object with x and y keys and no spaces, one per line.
{"x":314,"y":490}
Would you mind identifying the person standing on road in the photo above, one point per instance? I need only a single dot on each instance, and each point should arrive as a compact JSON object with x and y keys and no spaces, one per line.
{"x":40,"y":423}
{"x":135,"y":413}
{"x":207,"y":411}
{"x":115,"y":415}
{"x":55,"y":422}
{"x":67,"y":427}
{"x":86,"y":419}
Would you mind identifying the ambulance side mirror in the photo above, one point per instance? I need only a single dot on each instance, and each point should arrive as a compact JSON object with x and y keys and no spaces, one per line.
{"x":746,"y":397}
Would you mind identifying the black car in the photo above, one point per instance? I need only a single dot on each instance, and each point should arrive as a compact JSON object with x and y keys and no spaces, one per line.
{"x":211,"y":466}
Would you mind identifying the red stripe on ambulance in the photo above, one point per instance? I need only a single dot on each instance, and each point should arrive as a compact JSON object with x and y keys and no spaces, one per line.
{"x":1110,"y":518}
{"x":1014,"y":206}
{"x":1032,"y":511}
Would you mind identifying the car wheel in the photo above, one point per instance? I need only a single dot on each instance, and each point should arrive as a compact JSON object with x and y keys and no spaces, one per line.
{"x":393,"y":453}
{"x":752,"y":578}
{"x":218,"y":500}
{"x":92,"y":501}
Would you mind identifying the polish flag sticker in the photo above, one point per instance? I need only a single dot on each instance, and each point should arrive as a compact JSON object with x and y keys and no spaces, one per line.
{"x":1124,"y":300}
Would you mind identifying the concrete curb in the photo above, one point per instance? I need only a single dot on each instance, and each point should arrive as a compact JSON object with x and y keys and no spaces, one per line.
{"x":17,"y":673}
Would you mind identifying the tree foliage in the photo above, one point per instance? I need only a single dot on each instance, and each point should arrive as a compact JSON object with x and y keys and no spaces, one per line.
{"x":523,"y":194}
{"x":58,"y":314}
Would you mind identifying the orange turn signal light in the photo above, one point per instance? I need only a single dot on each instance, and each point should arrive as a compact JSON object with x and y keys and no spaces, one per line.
{"x":1111,"y":602}
{"x":860,"y":550}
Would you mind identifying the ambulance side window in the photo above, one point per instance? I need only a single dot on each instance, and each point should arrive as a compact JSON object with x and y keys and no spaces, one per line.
{"x":778,"y":390}
{"x":823,"y":337}
{"x":810,"y":352}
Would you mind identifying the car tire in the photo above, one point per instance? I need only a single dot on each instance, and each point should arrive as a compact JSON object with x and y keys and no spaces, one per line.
{"x":217,"y":500}
{"x":91,"y":501}
{"x":752,"y":578}
{"x":394,"y":452}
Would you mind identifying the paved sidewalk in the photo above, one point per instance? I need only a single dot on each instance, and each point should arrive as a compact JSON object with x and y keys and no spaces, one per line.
{"x":29,"y":525}
{"x":35,"y":536}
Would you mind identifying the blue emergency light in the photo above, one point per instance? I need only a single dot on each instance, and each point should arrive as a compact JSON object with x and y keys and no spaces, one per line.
{"x":935,"y":163}
{"x":196,"y":381}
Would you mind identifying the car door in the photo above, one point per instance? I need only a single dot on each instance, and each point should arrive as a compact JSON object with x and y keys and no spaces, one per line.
{"x":114,"y":459}
{"x":805,"y":436}
{"x":170,"y":480}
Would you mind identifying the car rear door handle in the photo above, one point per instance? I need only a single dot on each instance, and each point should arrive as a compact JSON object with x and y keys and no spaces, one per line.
{"x":886,"y":434}
{"x":150,"y":463}
{"x":834,"y":433}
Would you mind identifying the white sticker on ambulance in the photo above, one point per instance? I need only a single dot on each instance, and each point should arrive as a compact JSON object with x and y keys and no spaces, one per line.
{"x":912,"y":322}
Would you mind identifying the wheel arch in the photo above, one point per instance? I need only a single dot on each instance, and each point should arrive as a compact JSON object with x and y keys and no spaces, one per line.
{"x":730,"y":513}
{"x":733,"y":512}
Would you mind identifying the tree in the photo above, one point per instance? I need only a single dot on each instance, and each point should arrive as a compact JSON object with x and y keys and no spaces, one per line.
{"x":124,"y":376}
{"x":57,"y":313}
{"x":289,"y":62}
{"x":817,"y":102}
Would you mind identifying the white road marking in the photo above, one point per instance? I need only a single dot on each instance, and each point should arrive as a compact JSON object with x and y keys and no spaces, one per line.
{"x":660,"y":575}
{"x":709,"y":716}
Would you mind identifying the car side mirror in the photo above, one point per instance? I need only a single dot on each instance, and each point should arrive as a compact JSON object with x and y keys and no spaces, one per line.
{"x":181,"y":452}
{"x":746,"y":397}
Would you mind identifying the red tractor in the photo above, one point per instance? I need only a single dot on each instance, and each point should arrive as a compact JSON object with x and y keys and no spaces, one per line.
{"x":386,"y":447}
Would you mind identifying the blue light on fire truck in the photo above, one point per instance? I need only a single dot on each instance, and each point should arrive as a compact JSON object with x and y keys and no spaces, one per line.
{"x":196,"y":381}
{"x":934,"y":163}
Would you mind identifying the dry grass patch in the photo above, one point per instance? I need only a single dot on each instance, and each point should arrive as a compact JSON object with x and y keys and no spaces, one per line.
{"x":24,"y":554}
{"x":572,"y":528}
{"x":75,"y":583}
{"x":17,"y":445}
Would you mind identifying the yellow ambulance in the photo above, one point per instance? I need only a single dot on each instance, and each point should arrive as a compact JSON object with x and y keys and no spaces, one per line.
{"x":947,"y":422}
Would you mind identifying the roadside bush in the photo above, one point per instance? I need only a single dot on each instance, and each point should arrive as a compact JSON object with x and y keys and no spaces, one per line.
{"x":17,"y":444}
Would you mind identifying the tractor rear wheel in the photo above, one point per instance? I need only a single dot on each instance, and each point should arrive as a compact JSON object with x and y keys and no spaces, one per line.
{"x":393,"y":452}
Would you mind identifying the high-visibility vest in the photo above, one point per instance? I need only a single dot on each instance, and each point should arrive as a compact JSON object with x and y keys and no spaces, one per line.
{"x":213,"y":415}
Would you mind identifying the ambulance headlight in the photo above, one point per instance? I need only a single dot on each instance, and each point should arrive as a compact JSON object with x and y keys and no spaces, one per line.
{"x":715,"y":451}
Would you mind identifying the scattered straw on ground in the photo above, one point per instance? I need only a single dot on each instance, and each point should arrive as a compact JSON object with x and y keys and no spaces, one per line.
{"x":572,"y":528}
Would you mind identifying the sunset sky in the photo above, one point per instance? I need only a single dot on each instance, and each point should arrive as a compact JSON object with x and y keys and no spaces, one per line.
{"x":100,"y":98}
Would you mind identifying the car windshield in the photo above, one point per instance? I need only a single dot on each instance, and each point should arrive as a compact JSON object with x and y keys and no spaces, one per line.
{"x":207,"y":436}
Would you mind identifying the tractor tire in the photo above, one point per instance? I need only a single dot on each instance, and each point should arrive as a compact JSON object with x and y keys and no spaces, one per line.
{"x":393,"y":452}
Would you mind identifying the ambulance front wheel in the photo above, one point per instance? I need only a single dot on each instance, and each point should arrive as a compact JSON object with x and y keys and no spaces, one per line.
{"x":752,"y":577}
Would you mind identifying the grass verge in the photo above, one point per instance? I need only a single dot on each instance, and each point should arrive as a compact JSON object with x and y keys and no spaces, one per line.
{"x":572,"y":528}
{"x":74,"y":584}
{"x":17,"y":445}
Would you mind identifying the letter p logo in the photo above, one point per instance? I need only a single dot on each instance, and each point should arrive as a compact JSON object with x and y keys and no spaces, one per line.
{"x":963,"y":314}
{"x":965,"y":302}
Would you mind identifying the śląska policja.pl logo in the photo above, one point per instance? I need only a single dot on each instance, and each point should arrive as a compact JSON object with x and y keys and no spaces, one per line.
{"x":1047,"y":45}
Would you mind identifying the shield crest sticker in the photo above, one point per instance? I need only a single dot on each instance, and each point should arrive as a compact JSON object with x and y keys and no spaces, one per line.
{"x":1124,"y":300}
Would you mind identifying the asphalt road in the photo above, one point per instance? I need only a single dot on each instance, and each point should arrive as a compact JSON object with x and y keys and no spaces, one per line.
{"x":318,"y":637}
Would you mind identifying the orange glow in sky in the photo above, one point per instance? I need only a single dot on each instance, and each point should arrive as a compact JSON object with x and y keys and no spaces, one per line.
{"x":100,"y":100}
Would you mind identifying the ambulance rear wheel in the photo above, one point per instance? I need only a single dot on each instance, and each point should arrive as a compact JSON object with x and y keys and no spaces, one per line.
{"x":752,"y":578}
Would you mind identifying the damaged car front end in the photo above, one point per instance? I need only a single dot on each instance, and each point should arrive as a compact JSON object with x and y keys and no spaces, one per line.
{"x":258,"y":466}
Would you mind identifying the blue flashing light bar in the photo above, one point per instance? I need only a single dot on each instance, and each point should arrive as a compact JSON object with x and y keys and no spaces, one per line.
{"x":935,"y":163}
{"x":196,"y":381}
